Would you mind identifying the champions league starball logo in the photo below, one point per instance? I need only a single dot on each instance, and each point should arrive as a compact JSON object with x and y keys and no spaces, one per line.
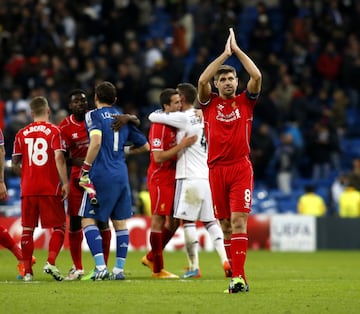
{"x":156,"y":142}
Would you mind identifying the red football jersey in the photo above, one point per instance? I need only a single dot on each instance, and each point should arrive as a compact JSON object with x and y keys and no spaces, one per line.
{"x":37,"y":143}
{"x":228,"y":124}
{"x":76,"y":140}
{"x":162,"y":137}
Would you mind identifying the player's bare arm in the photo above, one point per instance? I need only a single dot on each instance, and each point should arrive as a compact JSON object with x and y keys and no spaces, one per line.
{"x":3,"y":191}
{"x":122,"y":119}
{"x":164,"y":155}
{"x":62,"y":170}
{"x":204,"y":86}
{"x":133,"y":150}
{"x":94,"y":147}
{"x":16,"y":164}
{"x":254,"y":84}
{"x":92,"y":152}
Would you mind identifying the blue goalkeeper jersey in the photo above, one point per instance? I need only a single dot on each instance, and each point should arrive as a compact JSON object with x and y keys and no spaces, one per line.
{"x":109,"y":172}
{"x":111,"y":157}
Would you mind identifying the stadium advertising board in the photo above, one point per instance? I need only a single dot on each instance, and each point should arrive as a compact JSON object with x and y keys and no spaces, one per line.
{"x":139,"y":231}
{"x":293,"y":233}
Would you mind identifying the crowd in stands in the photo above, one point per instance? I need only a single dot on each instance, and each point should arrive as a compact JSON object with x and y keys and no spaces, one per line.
{"x":306,"y":120}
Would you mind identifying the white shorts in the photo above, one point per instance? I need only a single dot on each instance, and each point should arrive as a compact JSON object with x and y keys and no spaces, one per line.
{"x":193,"y":200}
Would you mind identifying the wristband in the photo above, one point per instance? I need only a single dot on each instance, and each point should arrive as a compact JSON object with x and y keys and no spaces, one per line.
{"x":127,"y":150}
{"x":86,"y":166}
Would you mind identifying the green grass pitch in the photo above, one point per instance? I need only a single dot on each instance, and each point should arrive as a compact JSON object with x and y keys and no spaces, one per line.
{"x":319,"y":282}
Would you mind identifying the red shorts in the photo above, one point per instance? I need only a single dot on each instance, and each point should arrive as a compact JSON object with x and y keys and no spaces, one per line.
{"x":50,"y":210}
{"x":162,"y":199}
{"x":74,"y":198}
{"x":231,"y":188}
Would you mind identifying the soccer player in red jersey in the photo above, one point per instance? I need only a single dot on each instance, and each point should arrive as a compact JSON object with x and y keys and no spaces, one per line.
{"x":6,"y":240}
{"x":161,"y":183}
{"x":38,"y":156}
{"x":74,"y":134}
{"x":228,"y":121}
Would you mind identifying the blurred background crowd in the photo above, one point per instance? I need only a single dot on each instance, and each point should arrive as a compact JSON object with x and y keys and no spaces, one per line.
{"x":306,"y":123}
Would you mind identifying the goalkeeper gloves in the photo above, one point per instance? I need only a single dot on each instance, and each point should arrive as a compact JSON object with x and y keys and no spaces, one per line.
{"x":86,"y":184}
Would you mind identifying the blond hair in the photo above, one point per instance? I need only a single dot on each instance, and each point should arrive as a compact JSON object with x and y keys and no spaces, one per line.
{"x":39,"y":105}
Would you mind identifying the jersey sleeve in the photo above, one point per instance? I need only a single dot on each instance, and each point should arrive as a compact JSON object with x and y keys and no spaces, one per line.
{"x":64,"y":134}
{"x":57,"y":142}
{"x":176,"y":119}
{"x":93,"y":121}
{"x":157,"y":136}
{"x":17,"y":145}
{"x":136,"y":137}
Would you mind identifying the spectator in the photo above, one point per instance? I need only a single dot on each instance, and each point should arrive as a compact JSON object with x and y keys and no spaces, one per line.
{"x":262,"y":151}
{"x":311,"y":203}
{"x":355,"y":173}
{"x":285,"y":157}
{"x":320,"y":143}
{"x":329,"y":65}
{"x":349,"y":200}
{"x":262,"y":34}
{"x":337,"y":187}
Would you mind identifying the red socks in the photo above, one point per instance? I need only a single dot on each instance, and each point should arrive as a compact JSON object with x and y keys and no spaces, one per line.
{"x":239,"y":244}
{"x":55,"y":244}
{"x":227,"y":244}
{"x":27,"y":246}
{"x":166,"y":236}
{"x":156,"y":249}
{"x":75,"y":241}
{"x":8,"y":242}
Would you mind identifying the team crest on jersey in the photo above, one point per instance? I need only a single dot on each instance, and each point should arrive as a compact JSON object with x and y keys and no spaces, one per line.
{"x":162,"y":207}
{"x":156,"y":142}
{"x":75,"y":135}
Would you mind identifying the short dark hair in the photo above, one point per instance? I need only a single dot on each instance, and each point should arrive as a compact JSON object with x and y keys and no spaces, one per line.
{"x":223,"y":69}
{"x":188,"y":91}
{"x":165,"y":96}
{"x":106,"y":92}
{"x":309,"y":188}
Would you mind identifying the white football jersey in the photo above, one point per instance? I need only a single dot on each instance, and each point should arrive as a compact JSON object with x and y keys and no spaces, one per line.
{"x":192,"y":161}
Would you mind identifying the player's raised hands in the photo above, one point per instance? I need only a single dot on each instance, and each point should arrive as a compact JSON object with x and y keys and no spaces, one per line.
{"x":227,"y":49}
{"x":233,"y":43}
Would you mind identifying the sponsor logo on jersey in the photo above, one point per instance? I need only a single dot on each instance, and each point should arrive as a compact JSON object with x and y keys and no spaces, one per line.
{"x":229,"y":117}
